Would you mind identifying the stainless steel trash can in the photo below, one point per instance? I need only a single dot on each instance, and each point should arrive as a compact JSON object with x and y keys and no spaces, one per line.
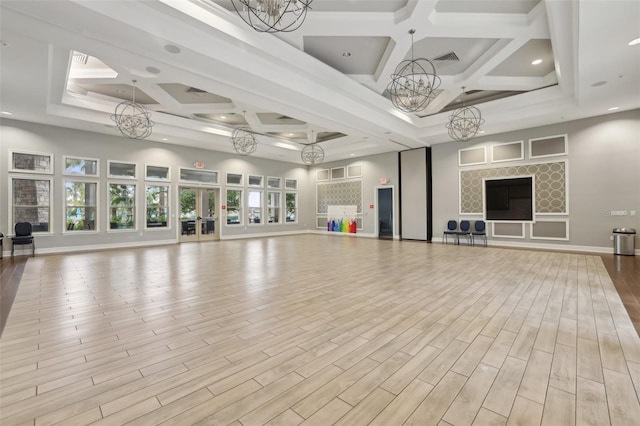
{"x":624,"y":241}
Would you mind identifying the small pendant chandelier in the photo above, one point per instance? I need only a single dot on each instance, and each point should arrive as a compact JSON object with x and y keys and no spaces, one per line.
{"x":272,"y":16}
{"x":132,"y":119}
{"x":312,"y":154}
{"x":465,"y":122}
{"x":244,"y":140}
{"x":413,"y":83}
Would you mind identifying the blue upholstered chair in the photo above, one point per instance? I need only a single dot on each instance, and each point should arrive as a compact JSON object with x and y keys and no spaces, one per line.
{"x":465,"y":231}
{"x":452,"y":229}
{"x":480,"y":230}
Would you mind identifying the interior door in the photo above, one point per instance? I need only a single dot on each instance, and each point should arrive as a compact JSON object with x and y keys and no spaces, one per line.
{"x":198,"y":207}
{"x":385,"y":213}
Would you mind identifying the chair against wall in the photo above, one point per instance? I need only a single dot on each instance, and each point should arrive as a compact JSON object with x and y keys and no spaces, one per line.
{"x":23,"y":236}
{"x":480,"y":230}
{"x":452,"y":227}
{"x":465,"y":231}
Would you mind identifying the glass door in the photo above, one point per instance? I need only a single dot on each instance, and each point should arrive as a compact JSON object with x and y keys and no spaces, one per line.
{"x":198,"y":214}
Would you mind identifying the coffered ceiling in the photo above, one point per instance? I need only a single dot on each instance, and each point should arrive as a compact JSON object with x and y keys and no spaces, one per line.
{"x":202,"y":71}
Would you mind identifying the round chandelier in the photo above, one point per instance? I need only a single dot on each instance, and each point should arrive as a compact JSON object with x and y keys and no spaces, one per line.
{"x":244,"y":141}
{"x":132,"y":119}
{"x":312,"y":154}
{"x":272,"y":16}
{"x":413,"y":83}
{"x":464,"y":123}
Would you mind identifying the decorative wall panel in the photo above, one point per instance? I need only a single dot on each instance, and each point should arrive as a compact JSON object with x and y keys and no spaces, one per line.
{"x":472,"y":156}
{"x":550,"y":230}
{"x":548,"y":147}
{"x":339,"y":193}
{"x":550,"y":190}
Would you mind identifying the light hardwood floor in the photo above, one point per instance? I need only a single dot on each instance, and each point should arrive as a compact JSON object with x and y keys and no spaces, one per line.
{"x":319,"y":330}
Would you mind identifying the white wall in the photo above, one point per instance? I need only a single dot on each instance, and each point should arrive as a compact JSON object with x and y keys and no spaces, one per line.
{"x":603,"y":175}
{"x":23,"y":136}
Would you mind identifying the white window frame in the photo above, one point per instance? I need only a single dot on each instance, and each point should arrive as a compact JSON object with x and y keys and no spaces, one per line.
{"x":167,"y":206}
{"x":286,"y":184}
{"x":260,"y":207}
{"x":78,"y":179}
{"x":135,"y":205}
{"x":269,"y":186}
{"x":250,"y":185}
{"x":86,"y":175}
{"x":135,"y":170}
{"x":11,"y":223}
{"x":198,"y":183}
{"x":155,"y":179}
{"x":240,"y":207}
{"x":241,"y":183}
{"x":278,"y":206}
{"x":12,"y":169}
{"x":297,"y":208}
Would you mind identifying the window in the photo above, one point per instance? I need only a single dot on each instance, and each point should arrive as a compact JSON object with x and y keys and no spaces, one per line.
{"x":273,"y":182}
{"x":122,"y":170}
{"x":122,"y":206}
{"x":234,"y":179}
{"x":292,"y":207}
{"x":32,"y":202}
{"x":202,"y":176}
{"x":255,"y":207}
{"x":234,"y":207}
{"x":81,"y":166}
{"x":157,"y":206}
{"x":274,"y":207}
{"x":80,"y":205}
{"x":255,"y":181}
{"x":31,"y":162}
{"x":291,"y":184}
{"x":156,"y":173}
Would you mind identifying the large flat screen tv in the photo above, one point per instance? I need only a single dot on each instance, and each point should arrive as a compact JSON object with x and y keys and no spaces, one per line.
{"x":509,"y":199}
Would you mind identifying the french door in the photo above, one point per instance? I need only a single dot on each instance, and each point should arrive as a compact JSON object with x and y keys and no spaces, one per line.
{"x":198,"y":214}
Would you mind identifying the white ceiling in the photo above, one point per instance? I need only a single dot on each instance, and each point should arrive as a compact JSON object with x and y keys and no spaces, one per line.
{"x":196,"y":62}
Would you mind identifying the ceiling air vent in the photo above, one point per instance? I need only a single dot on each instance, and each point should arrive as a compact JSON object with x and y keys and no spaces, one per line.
{"x":448,"y":57}
{"x":195,"y":90}
{"x":80,"y":58}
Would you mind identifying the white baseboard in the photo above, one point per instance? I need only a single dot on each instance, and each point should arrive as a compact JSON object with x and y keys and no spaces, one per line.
{"x":545,"y":246}
{"x":96,"y":247}
{"x":343,"y":234}
{"x":262,"y":235}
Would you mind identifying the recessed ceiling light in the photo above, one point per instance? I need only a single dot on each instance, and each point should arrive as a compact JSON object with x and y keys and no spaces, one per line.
{"x":346,"y":54}
{"x":536,"y":62}
{"x":165,"y":139}
{"x":7,"y":113}
{"x":634,"y":42}
{"x":599,"y":83}
{"x":172,"y":49}
{"x":352,"y":155}
{"x":613,"y":108}
{"x":223,"y":117}
{"x":481,"y":131}
{"x":289,"y":134}
{"x":153,"y":70}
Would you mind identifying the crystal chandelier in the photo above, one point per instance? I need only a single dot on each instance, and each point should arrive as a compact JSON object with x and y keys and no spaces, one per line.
{"x":465,"y":122}
{"x":244,"y":141}
{"x":413,"y":83}
{"x":272,"y":16}
{"x":132,"y":119}
{"x":312,"y":154}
